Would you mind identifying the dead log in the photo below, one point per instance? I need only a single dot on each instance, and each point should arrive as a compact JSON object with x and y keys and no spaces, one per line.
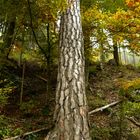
{"x":104,"y":107}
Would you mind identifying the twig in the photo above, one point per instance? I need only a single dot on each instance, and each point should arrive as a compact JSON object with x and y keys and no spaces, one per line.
{"x":28,"y":133}
{"x":104,"y":107}
{"x":42,"y":78}
{"x":131,"y":119}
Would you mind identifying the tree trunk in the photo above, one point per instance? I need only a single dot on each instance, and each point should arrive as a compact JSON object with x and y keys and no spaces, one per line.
{"x":9,"y":37}
{"x":134,"y":60}
{"x":120,"y":57}
{"x":87,"y":50}
{"x":102,"y":56}
{"x":116,"y":54}
{"x":49,"y":88}
{"x":125,"y":58}
{"x":71,"y":114}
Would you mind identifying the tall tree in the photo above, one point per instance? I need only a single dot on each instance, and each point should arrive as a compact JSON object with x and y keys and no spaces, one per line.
{"x":71,"y":116}
{"x":116,"y":54}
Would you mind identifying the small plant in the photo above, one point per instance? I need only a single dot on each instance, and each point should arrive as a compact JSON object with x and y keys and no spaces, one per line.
{"x":46,"y":110}
{"x":4,"y":131}
{"x":130,"y":84}
{"x":100,"y":133}
{"x":3,"y":121}
{"x":3,"y":100}
{"x":32,"y":137}
{"x":27,"y":107}
{"x":118,"y":125}
{"x":95,"y":102}
{"x":130,"y":93}
{"x":92,"y":70}
{"x":17,"y":131}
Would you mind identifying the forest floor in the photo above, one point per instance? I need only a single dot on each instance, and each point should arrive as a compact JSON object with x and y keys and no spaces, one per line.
{"x":105,"y":88}
{"x":36,"y":112}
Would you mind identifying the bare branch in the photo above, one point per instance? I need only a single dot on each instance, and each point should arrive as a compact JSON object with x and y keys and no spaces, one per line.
{"x":104,"y":107}
{"x":131,"y":119}
{"x":42,"y":78}
{"x":19,"y":137}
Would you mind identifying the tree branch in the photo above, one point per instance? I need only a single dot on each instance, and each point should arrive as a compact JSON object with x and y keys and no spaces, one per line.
{"x":18,"y":137}
{"x":42,"y":78}
{"x":131,"y":119}
{"x":34,"y":34}
{"x":91,"y":112}
{"x":104,"y":107}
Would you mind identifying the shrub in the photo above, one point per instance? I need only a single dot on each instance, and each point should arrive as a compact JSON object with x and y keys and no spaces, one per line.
{"x":27,"y":107}
{"x":3,"y":100}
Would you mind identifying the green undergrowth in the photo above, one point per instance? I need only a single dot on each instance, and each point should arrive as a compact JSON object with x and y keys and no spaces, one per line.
{"x":109,"y":85}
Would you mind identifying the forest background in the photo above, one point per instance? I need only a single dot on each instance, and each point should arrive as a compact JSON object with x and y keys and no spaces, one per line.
{"x":29,"y":36}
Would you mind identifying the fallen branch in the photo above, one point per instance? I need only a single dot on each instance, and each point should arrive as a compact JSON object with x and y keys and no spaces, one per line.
{"x":104,"y":107}
{"x":18,"y":137}
{"x":48,"y":129}
{"x":131,"y":119}
{"x":41,"y":78}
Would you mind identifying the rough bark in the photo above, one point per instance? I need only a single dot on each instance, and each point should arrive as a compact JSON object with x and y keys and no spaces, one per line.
{"x":71,"y":115}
